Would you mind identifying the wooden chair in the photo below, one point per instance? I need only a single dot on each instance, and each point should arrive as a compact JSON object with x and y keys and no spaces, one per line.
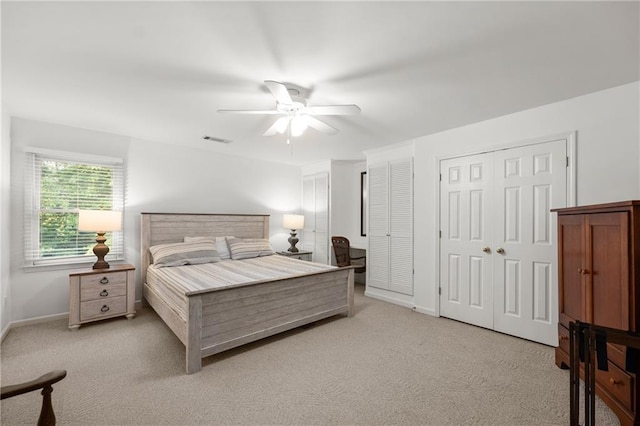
{"x":44,"y":382}
{"x":342,"y":251}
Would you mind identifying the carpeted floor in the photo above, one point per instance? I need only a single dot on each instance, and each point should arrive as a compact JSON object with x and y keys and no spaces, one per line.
{"x":385,"y":365}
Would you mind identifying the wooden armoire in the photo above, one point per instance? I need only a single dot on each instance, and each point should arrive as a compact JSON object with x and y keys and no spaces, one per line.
{"x":599,"y":283}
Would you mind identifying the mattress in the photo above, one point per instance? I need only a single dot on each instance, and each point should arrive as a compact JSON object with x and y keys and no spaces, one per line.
{"x":175,"y":283}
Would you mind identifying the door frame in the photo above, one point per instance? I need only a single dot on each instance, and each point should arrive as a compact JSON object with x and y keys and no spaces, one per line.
{"x":571,"y":176}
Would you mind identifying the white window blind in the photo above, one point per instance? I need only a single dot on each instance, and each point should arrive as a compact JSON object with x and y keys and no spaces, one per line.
{"x":57,"y":186}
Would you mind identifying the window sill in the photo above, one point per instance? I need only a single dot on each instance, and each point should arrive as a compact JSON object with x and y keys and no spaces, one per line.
{"x":72,"y":264}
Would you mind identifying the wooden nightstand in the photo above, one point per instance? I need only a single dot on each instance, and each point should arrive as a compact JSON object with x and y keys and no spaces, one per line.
{"x":302,"y":255}
{"x":96,"y":294}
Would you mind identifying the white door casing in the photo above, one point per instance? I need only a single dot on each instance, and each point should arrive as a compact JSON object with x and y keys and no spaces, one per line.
{"x":500,"y":201}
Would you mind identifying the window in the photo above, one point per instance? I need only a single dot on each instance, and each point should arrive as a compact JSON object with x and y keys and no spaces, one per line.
{"x":58,"y":185}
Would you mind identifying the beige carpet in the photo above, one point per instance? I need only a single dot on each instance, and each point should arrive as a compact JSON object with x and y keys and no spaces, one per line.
{"x":385,"y":365}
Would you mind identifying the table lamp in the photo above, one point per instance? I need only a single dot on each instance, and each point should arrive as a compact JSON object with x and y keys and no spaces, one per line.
{"x":100,"y":222}
{"x":293,"y":222}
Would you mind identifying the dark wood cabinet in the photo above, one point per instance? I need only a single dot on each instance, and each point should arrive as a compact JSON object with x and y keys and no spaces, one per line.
{"x":598,"y":283}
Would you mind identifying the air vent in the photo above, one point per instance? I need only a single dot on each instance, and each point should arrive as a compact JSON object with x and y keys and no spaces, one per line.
{"x":214,"y":139}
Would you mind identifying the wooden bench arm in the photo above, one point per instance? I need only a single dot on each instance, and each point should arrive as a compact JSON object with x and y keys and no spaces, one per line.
{"x":40,"y":383}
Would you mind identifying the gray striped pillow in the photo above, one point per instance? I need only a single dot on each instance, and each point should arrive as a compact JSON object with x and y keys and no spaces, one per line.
{"x":221,"y":244}
{"x":177,"y":254}
{"x":249,"y":247}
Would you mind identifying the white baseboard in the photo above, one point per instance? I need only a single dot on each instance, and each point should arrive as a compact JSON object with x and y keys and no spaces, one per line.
{"x":426,"y":311}
{"x":389,"y":299}
{"x":139,"y":304}
{"x":5,"y":332}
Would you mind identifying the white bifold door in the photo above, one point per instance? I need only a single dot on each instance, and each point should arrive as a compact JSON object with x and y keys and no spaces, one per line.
{"x":315,"y":203}
{"x":498,"y":239}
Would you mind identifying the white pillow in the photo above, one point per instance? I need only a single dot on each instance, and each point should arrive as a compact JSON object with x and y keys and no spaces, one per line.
{"x":178,"y":254}
{"x":249,"y":247}
{"x":221,"y":244}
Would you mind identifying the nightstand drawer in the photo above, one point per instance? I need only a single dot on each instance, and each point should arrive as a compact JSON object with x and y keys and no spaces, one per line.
{"x":306,"y":257}
{"x":94,"y":292}
{"x":106,"y":279}
{"x":103,"y":308}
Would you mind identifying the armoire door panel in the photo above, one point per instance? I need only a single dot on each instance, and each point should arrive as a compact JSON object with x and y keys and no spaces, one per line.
{"x":609,"y":268}
{"x":571,"y":248}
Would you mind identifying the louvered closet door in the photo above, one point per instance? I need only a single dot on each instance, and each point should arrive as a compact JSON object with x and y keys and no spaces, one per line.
{"x":529,"y":182}
{"x":466,"y":203}
{"x":401,"y":226}
{"x":378,"y":252}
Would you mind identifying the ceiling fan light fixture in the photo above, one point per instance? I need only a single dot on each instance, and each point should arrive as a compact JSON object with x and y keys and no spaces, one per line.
{"x":281,"y":124}
{"x":299,"y":124}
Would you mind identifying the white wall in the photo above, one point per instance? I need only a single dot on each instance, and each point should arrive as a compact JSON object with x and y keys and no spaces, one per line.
{"x":5,"y":228}
{"x":608,"y":154}
{"x":160,"y":178}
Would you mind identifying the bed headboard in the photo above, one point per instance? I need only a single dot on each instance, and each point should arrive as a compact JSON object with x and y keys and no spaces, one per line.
{"x":161,"y":228}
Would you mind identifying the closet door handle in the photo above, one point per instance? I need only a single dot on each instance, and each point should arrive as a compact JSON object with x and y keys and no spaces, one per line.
{"x":500,"y":250}
{"x":486,"y":250}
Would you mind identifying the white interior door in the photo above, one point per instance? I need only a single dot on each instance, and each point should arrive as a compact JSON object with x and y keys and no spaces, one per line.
{"x":315,"y":203}
{"x":321,"y":247}
{"x":498,"y":242}
{"x":466,"y":191}
{"x":529,"y":182}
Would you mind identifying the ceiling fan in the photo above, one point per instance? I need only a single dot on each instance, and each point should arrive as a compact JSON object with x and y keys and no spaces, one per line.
{"x":296,"y":116}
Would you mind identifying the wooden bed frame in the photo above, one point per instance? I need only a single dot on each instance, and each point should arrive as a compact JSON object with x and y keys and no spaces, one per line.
{"x":221,"y":319}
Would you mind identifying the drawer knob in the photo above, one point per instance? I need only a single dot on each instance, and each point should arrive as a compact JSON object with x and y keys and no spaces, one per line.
{"x":104,"y":308}
{"x":615,"y":382}
{"x":564,"y":338}
{"x":104,"y":280}
{"x":104,"y":293}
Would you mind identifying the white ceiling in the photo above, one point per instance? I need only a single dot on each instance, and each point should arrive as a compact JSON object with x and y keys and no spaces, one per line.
{"x":159,"y":71}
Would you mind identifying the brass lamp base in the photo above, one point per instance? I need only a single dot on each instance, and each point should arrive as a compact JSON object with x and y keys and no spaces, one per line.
{"x":101,"y":250}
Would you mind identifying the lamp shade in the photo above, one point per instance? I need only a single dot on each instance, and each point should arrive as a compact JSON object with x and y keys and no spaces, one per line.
{"x":99,"y":220}
{"x":293,"y":221}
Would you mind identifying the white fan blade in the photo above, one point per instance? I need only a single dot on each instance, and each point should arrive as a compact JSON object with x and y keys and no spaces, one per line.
{"x":333,"y":110}
{"x":321,"y":126}
{"x":279,"y":92}
{"x":278,"y":127}
{"x":245,"y":111}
